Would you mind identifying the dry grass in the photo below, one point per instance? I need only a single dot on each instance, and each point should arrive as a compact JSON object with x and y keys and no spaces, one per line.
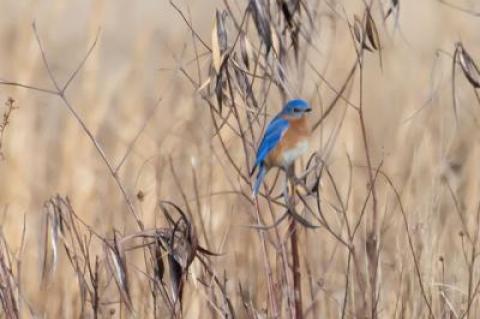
{"x":126,"y":191}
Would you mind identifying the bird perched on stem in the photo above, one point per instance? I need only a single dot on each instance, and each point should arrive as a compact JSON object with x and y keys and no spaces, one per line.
{"x":284,"y":140}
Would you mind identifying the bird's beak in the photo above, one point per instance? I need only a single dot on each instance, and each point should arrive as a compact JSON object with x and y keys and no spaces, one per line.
{"x":308,"y":110}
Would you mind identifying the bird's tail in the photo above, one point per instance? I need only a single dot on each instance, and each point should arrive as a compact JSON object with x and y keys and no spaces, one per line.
{"x":262,"y":170}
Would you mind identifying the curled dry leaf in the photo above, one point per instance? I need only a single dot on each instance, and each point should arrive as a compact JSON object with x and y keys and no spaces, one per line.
{"x":181,"y":244}
{"x":469,"y":68}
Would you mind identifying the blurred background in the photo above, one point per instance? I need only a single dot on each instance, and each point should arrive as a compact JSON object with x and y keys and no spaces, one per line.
{"x":134,"y":97}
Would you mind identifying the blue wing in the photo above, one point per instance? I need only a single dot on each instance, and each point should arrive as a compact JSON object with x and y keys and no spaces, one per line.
{"x":273,"y":134}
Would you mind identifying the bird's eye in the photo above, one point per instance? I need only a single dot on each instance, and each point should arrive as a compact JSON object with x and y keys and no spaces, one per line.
{"x":296,"y":110}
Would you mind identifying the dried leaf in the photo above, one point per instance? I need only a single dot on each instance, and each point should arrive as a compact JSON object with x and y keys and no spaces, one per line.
{"x":183,"y":241}
{"x":243,"y":83}
{"x":262,"y":22}
{"x":207,"y":252}
{"x":358,"y":32}
{"x":117,"y":265}
{"x":240,"y":75}
{"x":219,"y":91}
{"x":183,"y":244}
{"x":393,"y":7}
{"x":159,"y":267}
{"x":469,"y":68}
{"x":286,"y":13}
{"x":204,"y":85}
{"x":54,"y":233}
{"x":295,"y":41}
{"x":219,"y":39}
{"x":220,"y":82}
{"x":372,"y":32}
{"x":176,"y":279}
{"x":358,"y":29}
{"x":275,"y":40}
{"x":181,"y":247}
{"x":222,"y":31}
{"x":216,"y":55}
{"x":373,"y":37}
{"x":245,"y":50}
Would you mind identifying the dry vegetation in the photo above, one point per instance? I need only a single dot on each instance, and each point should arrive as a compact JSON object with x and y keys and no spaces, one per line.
{"x":129,"y":129}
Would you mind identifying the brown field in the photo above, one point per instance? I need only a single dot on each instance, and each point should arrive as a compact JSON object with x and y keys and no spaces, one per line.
{"x":90,"y":175}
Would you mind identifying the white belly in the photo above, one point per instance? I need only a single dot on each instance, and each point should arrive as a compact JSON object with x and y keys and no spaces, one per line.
{"x":290,"y":155}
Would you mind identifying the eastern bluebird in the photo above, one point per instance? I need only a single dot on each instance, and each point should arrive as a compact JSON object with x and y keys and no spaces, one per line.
{"x":285,"y":139}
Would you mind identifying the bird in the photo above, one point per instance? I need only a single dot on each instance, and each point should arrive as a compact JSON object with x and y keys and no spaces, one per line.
{"x":285,"y":139}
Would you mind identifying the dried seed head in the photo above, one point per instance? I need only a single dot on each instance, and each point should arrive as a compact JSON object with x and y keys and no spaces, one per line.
{"x":140,"y":195}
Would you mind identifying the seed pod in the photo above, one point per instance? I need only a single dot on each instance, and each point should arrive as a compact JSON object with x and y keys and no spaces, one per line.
{"x":372,"y":32}
{"x":469,"y":68}
{"x":357,"y":28}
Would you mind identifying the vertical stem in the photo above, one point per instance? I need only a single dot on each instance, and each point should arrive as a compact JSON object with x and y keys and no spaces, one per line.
{"x":372,"y":243}
{"x":297,"y":288}
{"x":292,"y":231}
{"x":268,"y":268}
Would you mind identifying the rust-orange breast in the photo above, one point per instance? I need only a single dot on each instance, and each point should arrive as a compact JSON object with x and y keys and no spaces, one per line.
{"x":293,"y":143}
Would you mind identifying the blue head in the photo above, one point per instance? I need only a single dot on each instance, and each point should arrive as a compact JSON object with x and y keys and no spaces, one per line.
{"x":296,"y":108}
